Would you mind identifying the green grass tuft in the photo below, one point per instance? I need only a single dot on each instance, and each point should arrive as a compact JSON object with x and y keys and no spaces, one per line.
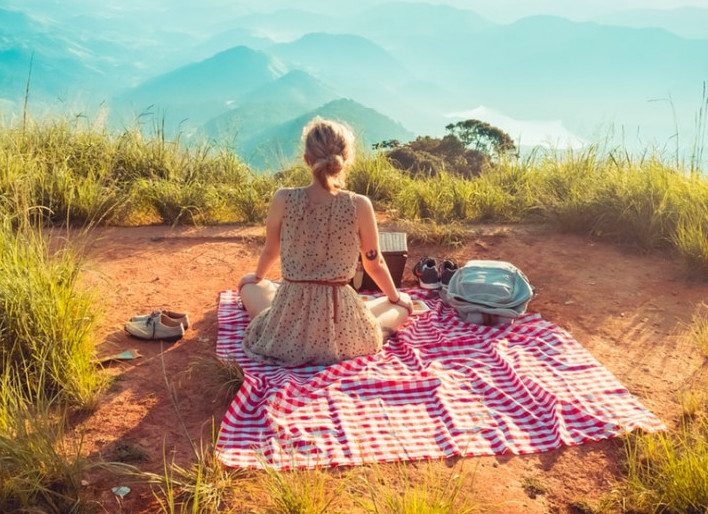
{"x":302,"y":491}
{"x":41,"y":468}
{"x":669,"y":472}
{"x":533,"y":487}
{"x":223,"y":378}
{"x":698,"y":329}
{"x":409,"y":492}
{"x":46,"y":319}
{"x":205,"y":486}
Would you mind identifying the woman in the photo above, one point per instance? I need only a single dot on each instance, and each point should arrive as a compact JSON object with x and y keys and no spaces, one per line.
{"x":318,"y":232}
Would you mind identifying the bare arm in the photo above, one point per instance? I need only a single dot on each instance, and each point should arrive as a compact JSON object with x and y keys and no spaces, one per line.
{"x":271,"y":251}
{"x":371,"y":256}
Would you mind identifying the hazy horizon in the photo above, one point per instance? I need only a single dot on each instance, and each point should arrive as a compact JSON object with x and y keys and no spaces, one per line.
{"x":500,"y":11}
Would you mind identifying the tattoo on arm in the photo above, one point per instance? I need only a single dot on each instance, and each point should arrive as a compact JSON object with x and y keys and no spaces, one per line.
{"x":372,"y":254}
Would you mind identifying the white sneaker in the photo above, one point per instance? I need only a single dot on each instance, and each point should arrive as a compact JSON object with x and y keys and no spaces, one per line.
{"x":156,"y":327}
{"x":175,"y":316}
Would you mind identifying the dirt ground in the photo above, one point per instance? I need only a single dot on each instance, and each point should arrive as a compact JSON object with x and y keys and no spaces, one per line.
{"x":629,"y":310}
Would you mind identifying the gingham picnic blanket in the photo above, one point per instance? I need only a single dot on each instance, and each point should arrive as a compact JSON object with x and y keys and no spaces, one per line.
{"x":439,"y":388}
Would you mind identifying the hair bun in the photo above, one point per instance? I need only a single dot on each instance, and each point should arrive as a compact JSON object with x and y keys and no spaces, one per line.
{"x":331,"y":165}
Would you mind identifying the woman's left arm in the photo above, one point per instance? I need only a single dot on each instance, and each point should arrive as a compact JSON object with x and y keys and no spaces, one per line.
{"x":271,"y":250}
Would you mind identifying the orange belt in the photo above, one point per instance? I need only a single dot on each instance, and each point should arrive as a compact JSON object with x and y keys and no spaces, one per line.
{"x":332,"y":284}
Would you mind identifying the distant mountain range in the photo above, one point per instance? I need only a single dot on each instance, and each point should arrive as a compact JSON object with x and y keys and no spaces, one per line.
{"x":202,"y":90}
{"x":687,"y":22}
{"x":392,"y":71}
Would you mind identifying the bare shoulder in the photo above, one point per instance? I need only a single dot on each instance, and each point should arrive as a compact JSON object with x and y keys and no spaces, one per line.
{"x":281,"y":194}
{"x":278,"y":202}
{"x":364,"y":211}
{"x":362,"y":202}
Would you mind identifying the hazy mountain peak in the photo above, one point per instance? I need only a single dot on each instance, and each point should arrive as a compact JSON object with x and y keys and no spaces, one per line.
{"x":240,"y":65}
{"x":338,"y":54}
{"x":545,"y":21}
{"x":410,"y":18}
{"x":245,"y":56}
{"x":300,"y":78}
{"x":686,"y":22}
{"x":200,"y":90}
{"x":297,"y":86}
{"x":285,"y":24}
{"x":315,"y":39}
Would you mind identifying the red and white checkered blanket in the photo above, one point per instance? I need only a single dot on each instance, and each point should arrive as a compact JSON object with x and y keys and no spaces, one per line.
{"x":440,"y":388}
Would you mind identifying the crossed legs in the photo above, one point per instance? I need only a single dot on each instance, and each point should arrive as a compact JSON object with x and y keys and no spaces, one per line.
{"x":258,"y":297}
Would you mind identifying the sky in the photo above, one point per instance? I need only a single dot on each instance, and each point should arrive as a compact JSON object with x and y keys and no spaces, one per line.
{"x":509,"y":10}
{"x":503,"y":11}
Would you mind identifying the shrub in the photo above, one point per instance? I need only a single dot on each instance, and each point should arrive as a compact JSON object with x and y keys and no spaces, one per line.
{"x":46,"y":320}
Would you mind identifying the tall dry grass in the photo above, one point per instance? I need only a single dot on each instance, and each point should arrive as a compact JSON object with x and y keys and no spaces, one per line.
{"x":668,"y":472}
{"x":70,"y":173}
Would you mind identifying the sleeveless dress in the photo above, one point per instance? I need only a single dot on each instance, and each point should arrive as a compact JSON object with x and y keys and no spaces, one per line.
{"x":314,"y":319}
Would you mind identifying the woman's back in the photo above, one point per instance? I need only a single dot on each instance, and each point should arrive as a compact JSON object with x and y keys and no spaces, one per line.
{"x":319,"y":240}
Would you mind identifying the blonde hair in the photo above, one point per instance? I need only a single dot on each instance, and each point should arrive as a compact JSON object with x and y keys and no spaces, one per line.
{"x":329,"y":150}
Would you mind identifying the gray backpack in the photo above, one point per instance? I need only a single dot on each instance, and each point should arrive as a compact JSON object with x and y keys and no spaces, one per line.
{"x":488,"y":292}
